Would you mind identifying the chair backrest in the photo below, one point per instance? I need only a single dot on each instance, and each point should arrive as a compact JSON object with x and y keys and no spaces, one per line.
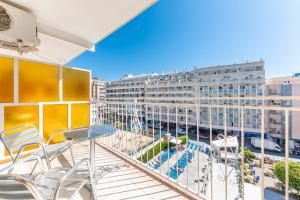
{"x":14,"y":139}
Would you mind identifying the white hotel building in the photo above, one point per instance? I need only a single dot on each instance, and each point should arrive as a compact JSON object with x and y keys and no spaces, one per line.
{"x":201,"y":85}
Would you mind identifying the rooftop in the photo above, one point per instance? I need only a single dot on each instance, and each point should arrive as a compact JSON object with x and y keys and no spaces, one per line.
{"x":187,"y":71}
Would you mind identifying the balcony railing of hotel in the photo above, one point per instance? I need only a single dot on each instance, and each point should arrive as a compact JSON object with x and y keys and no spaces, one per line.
{"x":203,"y":149}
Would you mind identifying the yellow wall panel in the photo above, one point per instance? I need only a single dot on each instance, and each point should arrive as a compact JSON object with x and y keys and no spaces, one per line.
{"x":55,"y":118}
{"x":6,"y":80}
{"x":15,"y":116}
{"x":76,"y":85}
{"x":38,"y":82}
{"x":20,"y":115}
{"x":80,"y":115}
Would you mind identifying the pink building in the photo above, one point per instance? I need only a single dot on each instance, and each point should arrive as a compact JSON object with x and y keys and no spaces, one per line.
{"x":283,"y":86}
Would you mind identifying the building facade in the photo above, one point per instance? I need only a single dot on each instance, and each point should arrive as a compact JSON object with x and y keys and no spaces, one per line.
{"x":98,"y":88}
{"x":283,"y":86}
{"x":205,"y":86}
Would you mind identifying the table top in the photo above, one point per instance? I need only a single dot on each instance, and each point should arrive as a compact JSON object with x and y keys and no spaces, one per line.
{"x":90,"y":132}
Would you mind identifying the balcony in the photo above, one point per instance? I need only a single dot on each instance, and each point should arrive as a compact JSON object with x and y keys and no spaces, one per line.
{"x":188,"y":165}
{"x":156,"y":155}
{"x":120,"y":179}
{"x":207,"y":167}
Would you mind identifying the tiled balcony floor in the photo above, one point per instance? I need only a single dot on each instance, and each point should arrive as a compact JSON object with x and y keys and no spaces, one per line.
{"x":120,"y":180}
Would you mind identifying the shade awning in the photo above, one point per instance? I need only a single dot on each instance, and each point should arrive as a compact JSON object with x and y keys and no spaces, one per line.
{"x":230,"y":142}
{"x":175,"y":141}
{"x":67,"y":28}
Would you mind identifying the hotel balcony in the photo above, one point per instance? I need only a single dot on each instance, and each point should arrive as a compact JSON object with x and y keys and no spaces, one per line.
{"x":174,"y":159}
{"x":197,"y":165}
{"x":193,"y":169}
{"x":120,"y":179}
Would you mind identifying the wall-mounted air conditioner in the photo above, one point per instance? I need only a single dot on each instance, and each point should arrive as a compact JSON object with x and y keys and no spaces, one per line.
{"x":18,"y":29}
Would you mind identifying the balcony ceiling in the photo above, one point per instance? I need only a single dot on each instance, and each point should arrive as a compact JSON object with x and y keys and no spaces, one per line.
{"x":66,"y":28}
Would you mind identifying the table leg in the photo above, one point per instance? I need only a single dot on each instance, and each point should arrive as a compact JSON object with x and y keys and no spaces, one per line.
{"x":92,"y":156}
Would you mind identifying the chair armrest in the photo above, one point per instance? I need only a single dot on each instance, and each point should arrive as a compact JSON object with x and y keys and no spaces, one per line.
{"x":52,"y":135}
{"x":29,"y":144}
{"x":82,"y":162}
{"x":30,"y":158}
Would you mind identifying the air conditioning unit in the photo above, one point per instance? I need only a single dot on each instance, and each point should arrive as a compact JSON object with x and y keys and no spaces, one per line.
{"x":18,"y":29}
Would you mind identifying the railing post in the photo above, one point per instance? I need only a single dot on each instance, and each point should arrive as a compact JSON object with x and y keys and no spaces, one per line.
{"x":126,"y":127}
{"x":187,"y":146}
{"x":147,"y":132}
{"x":106,"y":113}
{"x":198,"y":154}
{"x":153,"y":132}
{"x":113,"y":137}
{"x":117,"y":137}
{"x":225,"y":145}
{"x":211,"y":156}
{"x":122,"y":127}
{"x":262,"y":153}
{"x":168,"y":132}
{"x":160,"y":138}
{"x":176,"y":132}
{"x":131,"y":135}
{"x":286,"y":154}
{"x":142,"y":134}
{"x":243,"y":148}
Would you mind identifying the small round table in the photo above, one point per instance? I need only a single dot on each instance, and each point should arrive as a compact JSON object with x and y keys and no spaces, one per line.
{"x":90,"y":133}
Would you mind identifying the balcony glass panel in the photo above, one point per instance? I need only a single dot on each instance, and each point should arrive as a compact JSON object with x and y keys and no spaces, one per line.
{"x":80,"y":115}
{"x":55,"y":118}
{"x":76,"y":85}
{"x":6,"y":80}
{"x":38,"y":82}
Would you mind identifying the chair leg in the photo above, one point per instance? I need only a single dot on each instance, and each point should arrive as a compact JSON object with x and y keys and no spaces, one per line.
{"x":72,"y":155}
{"x":93,"y":186}
{"x":10,"y":171}
{"x":31,"y":173}
{"x":91,"y":191}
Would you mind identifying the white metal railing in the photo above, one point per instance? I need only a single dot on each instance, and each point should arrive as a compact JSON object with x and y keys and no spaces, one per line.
{"x":206,"y":164}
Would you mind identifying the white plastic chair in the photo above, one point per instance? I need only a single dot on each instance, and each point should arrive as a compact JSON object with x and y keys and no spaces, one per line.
{"x":56,"y":183}
{"x":17,"y":139}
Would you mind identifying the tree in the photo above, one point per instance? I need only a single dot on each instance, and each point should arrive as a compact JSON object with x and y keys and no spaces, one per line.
{"x":183,"y":139}
{"x":294,"y":174}
{"x":148,"y":155}
{"x":248,"y":155}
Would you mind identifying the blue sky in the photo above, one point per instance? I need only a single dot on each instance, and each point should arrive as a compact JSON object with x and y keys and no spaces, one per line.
{"x":180,"y":34}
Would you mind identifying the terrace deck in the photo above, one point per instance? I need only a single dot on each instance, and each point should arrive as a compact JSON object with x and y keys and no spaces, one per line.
{"x":120,"y":180}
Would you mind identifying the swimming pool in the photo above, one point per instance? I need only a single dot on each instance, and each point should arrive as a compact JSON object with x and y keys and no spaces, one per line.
{"x":181,"y":164}
{"x":164,"y":157}
{"x":192,"y":146}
